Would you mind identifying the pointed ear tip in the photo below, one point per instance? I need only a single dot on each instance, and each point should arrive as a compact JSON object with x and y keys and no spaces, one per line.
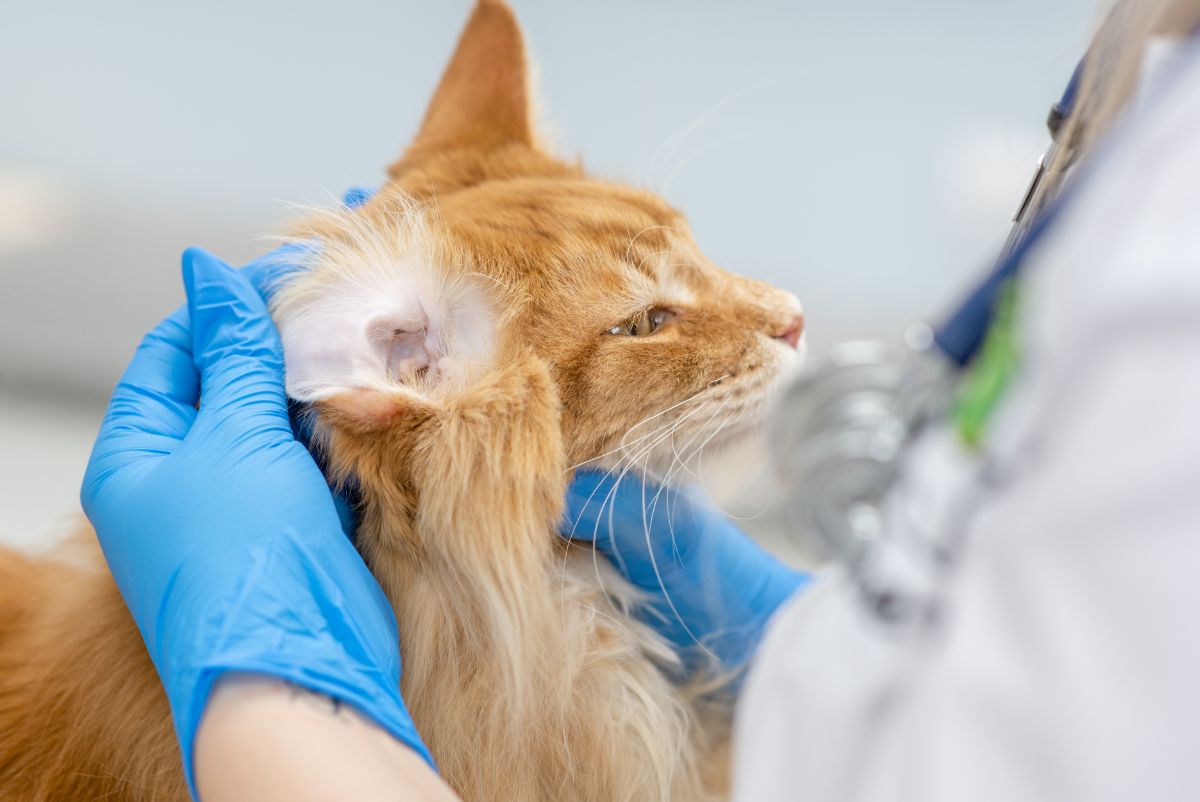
{"x":495,"y":20}
{"x":483,"y":97}
{"x":501,"y":6}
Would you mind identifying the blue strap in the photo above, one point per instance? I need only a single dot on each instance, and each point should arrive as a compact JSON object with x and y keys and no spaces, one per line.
{"x":961,"y":335}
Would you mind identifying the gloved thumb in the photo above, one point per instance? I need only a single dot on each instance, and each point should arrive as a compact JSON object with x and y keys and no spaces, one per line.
{"x":235,"y":345}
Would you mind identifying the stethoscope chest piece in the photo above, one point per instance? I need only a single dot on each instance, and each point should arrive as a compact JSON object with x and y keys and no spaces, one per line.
{"x":839,"y":431}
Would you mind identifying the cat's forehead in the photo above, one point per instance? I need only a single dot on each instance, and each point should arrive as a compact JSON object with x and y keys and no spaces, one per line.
{"x":562,"y":219}
{"x":572,"y":239}
{"x":562,"y":246}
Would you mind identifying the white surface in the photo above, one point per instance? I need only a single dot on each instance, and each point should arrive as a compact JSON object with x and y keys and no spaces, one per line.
{"x":1065,"y":666}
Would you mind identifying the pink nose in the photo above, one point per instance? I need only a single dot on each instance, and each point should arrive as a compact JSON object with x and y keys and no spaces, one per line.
{"x":791,"y":333}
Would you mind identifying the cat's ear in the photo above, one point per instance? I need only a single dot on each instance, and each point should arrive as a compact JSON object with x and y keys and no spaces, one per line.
{"x":484,"y":98}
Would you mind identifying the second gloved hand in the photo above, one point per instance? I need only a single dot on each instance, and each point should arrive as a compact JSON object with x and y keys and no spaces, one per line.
{"x":711,"y":588}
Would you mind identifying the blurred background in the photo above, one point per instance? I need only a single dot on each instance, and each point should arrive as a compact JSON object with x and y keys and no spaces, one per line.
{"x":865,"y":154}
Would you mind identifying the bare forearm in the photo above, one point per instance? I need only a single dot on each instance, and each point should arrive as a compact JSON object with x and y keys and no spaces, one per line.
{"x":263,"y":740}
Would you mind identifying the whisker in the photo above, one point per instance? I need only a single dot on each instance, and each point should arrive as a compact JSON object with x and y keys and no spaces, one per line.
{"x":672,"y":471}
{"x":648,"y":510}
{"x":699,"y":432}
{"x":672,"y":143}
{"x":766,"y":505}
{"x":632,"y":460}
{"x":623,"y":444}
{"x":626,"y":445}
{"x":676,"y":405}
{"x":662,"y":584}
{"x":610,"y":498}
{"x":642,"y":447}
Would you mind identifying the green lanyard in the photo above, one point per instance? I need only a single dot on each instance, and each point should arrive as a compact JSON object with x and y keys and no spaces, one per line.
{"x":990,"y":373}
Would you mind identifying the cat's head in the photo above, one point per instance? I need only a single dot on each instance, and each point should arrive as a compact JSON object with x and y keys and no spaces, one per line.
{"x":483,"y":242}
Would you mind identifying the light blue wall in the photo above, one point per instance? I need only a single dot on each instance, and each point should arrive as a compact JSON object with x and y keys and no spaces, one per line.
{"x":864,"y":154}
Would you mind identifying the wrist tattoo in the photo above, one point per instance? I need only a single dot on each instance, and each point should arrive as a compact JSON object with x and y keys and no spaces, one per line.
{"x":320,"y":702}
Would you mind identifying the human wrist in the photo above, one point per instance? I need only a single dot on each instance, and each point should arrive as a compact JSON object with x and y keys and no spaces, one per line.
{"x":271,"y":620}
{"x":346,"y":691}
{"x":264,"y":739}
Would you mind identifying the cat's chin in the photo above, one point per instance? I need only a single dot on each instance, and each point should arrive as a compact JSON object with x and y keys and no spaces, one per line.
{"x":730,"y":448}
{"x":669,"y":466}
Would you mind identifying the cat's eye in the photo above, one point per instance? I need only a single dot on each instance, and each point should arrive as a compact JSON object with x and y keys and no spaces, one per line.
{"x":643,"y":323}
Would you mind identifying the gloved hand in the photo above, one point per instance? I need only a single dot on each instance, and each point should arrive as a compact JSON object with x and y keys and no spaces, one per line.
{"x":218,"y":526}
{"x":711,"y":588}
{"x":268,"y":273}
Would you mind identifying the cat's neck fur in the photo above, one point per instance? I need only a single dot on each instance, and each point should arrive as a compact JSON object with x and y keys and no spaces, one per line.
{"x":512,"y":648}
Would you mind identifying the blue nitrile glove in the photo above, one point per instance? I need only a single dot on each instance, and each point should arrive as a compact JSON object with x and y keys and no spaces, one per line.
{"x":218,"y":526}
{"x":711,"y":588}
{"x":268,"y":273}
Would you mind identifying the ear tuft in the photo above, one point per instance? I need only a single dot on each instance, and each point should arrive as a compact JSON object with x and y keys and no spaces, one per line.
{"x":483,"y":99}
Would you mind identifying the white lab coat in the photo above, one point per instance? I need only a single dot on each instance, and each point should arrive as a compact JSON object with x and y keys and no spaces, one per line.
{"x":1066,"y":665}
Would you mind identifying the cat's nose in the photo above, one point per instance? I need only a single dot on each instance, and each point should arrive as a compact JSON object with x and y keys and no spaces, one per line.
{"x":791,"y":331}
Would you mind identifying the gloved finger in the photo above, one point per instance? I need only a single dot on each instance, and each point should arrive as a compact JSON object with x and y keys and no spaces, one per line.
{"x":157,"y":394}
{"x":234,"y":343}
{"x":626,"y":515}
{"x":271,"y":272}
{"x":593,"y":496}
{"x":617,"y":514}
{"x":357,"y":196}
{"x":345,"y":497}
{"x":584,"y":500}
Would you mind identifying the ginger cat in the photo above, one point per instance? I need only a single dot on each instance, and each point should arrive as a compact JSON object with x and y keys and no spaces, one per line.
{"x":490,"y":319}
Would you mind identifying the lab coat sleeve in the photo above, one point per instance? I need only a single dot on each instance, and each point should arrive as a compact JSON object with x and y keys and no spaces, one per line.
{"x":1066,"y":665}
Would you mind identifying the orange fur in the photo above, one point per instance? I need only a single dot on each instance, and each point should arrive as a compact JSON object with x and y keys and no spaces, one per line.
{"x":525,"y":668}
{"x":82,"y":714}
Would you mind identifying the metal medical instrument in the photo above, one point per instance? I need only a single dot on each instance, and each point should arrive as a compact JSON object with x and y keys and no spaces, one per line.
{"x":841,"y":428}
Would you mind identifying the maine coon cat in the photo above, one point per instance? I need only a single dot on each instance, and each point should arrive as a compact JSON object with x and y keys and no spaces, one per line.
{"x":492,"y":318}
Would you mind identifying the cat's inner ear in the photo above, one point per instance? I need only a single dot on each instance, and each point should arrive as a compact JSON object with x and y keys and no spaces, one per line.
{"x":484,"y":98}
{"x":411,"y":331}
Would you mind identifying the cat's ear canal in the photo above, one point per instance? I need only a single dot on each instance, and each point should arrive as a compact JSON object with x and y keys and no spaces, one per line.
{"x":483,"y":100}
